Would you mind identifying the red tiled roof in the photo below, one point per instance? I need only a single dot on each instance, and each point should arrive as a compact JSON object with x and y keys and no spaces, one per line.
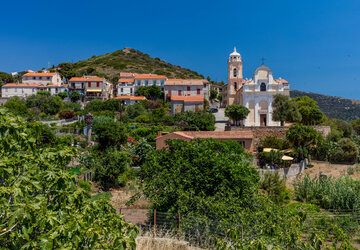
{"x":78,"y":79}
{"x":122,"y":97}
{"x":282,"y":80}
{"x":21,"y":85}
{"x":186,"y":82}
{"x":38,"y":74}
{"x":149,"y":76}
{"x":194,"y":98}
{"x":126,"y":80}
{"x":216,"y":134}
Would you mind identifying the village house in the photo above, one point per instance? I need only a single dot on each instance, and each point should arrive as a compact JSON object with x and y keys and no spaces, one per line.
{"x":91,"y":87}
{"x":45,"y":78}
{"x":26,"y":89}
{"x":187,"y":87}
{"x":216,"y":87}
{"x":130,"y":82}
{"x":245,"y":138}
{"x":129,"y":100}
{"x":180,"y":104}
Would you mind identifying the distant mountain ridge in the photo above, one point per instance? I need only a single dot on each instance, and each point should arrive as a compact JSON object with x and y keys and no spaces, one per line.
{"x":131,"y":60}
{"x":333,"y":106}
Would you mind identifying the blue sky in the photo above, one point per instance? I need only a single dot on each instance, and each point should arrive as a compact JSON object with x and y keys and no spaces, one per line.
{"x":315,"y":45}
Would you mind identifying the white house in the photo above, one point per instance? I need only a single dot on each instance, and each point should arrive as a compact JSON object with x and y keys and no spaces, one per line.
{"x":24,"y":90}
{"x":130,"y":82}
{"x":129,"y":100}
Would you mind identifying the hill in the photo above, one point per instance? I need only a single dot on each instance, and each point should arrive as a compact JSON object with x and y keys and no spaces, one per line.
{"x":332,"y":106}
{"x":131,"y":60}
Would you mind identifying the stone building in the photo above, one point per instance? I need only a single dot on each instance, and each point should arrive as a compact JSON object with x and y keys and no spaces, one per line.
{"x":45,"y":78}
{"x":180,"y":104}
{"x":256,"y":94}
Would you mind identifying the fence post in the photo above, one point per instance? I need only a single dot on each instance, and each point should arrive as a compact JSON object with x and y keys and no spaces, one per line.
{"x":179,"y":229}
{"x":154,"y":222}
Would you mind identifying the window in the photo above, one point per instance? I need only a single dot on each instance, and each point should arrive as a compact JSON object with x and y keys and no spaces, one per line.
{"x":97,"y":84}
{"x":138,"y":82}
{"x":188,"y":88}
{"x":154,"y":82}
{"x":33,"y":90}
{"x":263,"y":87}
{"x":198,"y":91}
{"x":56,"y":90}
{"x":179,"y":92}
{"x":6,"y":90}
{"x":130,"y":91}
{"x":40,"y":77}
{"x":234,"y":72}
{"x":89,"y":84}
{"x":146,"y":82}
{"x":26,"y":78}
{"x":235,"y":85}
{"x":121,"y":90}
{"x":162,"y":82}
{"x":48,"y":78}
{"x":34,"y":78}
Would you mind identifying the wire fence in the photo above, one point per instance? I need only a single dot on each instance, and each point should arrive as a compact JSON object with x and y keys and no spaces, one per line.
{"x":203,"y":232}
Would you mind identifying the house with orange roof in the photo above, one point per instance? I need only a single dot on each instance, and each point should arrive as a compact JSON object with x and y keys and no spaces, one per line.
{"x":91,"y":87}
{"x":129,"y":99}
{"x":24,"y":90}
{"x":187,"y":87}
{"x":43,"y":78}
{"x":180,"y":104}
{"x":245,"y":138}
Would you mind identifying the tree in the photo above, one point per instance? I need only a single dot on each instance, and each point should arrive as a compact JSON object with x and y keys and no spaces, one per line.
{"x":67,"y":70}
{"x":41,"y":205}
{"x":6,"y":78}
{"x":153,"y":92}
{"x":213,"y":94}
{"x":108,"y":132}
{"x":275,"y":187}
{"x":191,"y":172}
{"x":63,"y":95}
{"x":345,"y":150}
{"x":356,"y":125}
{"x":309,"y":110}
{"x":141,"y":91}
{"x":17,"y":108}
{"x":112,"y":168}
{"x":75,"y":96}
{"x":284,"y":110}
{"x":303,"y":139}
{"x":236,"y":112}
{"x":200,"y":121}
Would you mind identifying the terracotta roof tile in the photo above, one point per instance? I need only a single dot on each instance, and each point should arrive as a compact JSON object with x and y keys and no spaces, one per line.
{"x":216,"y":134}
{"x":126,"y":74}
{"x":149,"y":76}
{"x":186,"y":82}
{"x":22,"y":85}
{"x":126,"y":80}
{"x":78,"y":79}
{"x":122,"y":97}
{"x":38,"y":74}
{"x":194,"y":98}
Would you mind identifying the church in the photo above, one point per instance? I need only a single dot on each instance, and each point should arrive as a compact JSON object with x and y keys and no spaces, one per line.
{"x":256,"y":93}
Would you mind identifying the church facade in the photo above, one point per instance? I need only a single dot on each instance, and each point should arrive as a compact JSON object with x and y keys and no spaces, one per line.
{"x":256,"y":93}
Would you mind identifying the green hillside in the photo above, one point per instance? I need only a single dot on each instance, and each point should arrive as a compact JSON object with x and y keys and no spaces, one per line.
{"x":332,"y":106}
{"x":130,"y":60}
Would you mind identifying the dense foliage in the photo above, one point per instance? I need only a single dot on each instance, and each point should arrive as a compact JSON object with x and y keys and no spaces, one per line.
{"x":40,"y":204}
{"x":285,"y":110}
{"x":196,"y":121}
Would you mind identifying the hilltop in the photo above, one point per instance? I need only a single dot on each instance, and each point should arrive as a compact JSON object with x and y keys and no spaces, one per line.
{"x":333,"y":106}
{"x":131,"y":60}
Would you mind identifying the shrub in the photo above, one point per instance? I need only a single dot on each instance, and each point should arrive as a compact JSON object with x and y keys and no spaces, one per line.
{"x":85,"y":185}
{"x":67,"y":114}
{"x":342,"y":193}
{"x":351,"y":171}
{"x":201,"y":121}
{"x":344,"y":151}
{"x":275,"y":187}
{"x":143,"y":119}
{"x":273,"y":142}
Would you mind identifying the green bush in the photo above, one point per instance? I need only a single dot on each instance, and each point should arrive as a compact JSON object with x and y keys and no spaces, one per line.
{"x":143,"y":119}
{"x":341,"y":193}
{"x":85,"y":185}
{"x":275,"y":187}
{"x":273,"y":142}
{"x":351,"y":171}
{"x":191,"y":121}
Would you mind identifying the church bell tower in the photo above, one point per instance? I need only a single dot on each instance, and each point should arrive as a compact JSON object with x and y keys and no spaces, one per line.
{"x":235,"y":75}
